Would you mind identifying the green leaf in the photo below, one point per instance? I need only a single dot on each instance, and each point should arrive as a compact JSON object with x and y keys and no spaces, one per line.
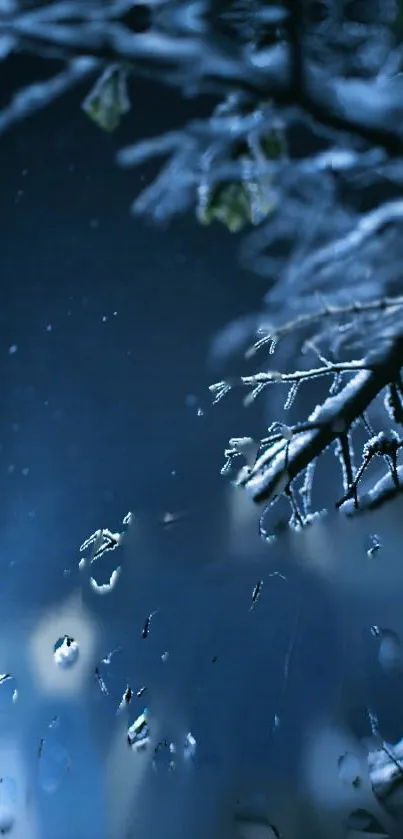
{"x":108,"y":100}
{"x":226,"y":203}
{"x":249,"y":201}
{"x":235,"y":205}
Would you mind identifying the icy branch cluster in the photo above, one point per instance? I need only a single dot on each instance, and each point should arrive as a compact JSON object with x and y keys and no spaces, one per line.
{"x":291,"y":452}
{"x":303,"y":150}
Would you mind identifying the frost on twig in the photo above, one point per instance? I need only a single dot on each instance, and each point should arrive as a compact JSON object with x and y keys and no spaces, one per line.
{"x":285,"y":456}
{"x":383,"y":490}
{"x":322,"y":318}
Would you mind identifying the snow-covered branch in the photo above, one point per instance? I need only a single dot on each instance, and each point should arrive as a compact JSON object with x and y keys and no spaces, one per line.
{"x":259,"y":380}
{"x":182,"y":45}
{"x":274,"y":69}
{"x":36,"y":96}
{"x":329,"y":422}
{"x":273,"y":334}
{"x":366,"y":228}
{"x":383,"y":491}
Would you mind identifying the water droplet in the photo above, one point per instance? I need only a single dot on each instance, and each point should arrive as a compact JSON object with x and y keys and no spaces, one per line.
{"x":66,"y":652}
{"x":8,"y":805}
{"x":125,"y":700}
{"x":374,"y":545}
{"x":390,"y":654}
{"x":363,"y":821}
{"x":108,"y":677}
{"x":254,"y":826}
{"x":164,"y":756}
{"x":349,"y":769}
{"x":53,"y":758}
{"x":192,"y":402}
{"x":138,"y":734}
{"x":189,"y":746}
{"x":105,"y":588}
{"x":8,"y":691}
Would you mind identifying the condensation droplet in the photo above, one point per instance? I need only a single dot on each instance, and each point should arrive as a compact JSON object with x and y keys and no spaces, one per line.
{"x":8,"y":805}
{"x":349,"y":769}
{"x":164,"y":756}
{"x":54,"y":759}
{"x":189,"y":746}
{"x":66,"y":652}
{"x":138,"y":734}
{"x":8,"y":691}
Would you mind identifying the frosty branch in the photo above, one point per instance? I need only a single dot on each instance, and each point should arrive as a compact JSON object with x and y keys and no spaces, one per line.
{"x":314,"y":318}
{"x":289,"y":453}
{"x":178,"y":41}
{"x":324,"y":213}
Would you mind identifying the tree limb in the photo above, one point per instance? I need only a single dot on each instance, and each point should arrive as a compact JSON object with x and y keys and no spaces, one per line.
{"x":281,"y":72}
{"x":270,"y":475}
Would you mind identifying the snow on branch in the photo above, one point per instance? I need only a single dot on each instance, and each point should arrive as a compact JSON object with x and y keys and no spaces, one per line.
{"x":274,"y":334}
{"x":278,"y":53}
{"x":108,"y":31}
{"x":290,"y":70}
{"x":290,"y":452}
{"x":383,"y":491}
{"x":366,"y":228}
{"x":36,"y":96}
{"x":330,"y":420}
{"x":259,"y":380}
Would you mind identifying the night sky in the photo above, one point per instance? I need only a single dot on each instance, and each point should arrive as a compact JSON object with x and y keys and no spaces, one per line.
{"x":105,"y":327}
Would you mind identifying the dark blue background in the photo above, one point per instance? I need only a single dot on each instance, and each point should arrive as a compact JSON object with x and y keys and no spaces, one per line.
{"x":95,"y":419}
{"x":112,"y":319}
